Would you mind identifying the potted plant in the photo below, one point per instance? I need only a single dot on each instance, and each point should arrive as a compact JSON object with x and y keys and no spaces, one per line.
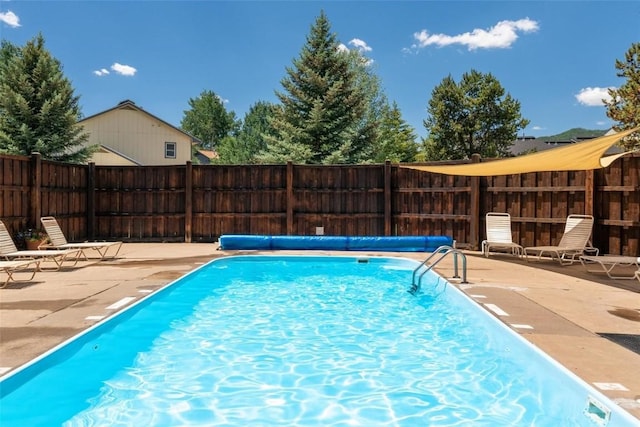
{"x":31,"y":239}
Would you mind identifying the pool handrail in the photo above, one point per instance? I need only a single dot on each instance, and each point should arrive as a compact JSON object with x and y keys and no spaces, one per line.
{"x":442,"y":251}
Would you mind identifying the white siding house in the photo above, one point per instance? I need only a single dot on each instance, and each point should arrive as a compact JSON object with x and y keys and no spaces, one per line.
{"x":128,"y":135}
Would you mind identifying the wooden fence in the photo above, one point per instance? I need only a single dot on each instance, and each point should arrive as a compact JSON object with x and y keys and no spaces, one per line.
{"x":197,"y":203}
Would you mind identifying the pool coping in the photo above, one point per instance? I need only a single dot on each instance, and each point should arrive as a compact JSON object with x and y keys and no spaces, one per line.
{"x":560,"y":310}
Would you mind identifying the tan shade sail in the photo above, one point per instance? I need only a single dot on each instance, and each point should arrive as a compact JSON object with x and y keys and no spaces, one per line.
{"x":580,"y":156}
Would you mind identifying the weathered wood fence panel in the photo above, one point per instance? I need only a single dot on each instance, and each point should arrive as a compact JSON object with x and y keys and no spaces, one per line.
{"x":200,"y":203}
{"x":617,"y":207}
{"x":140,"y":203}
{"x":15,"y":192}
{"x":238,"y":200}
{"x":62,"y":193}
{"x":345,"y":201}
{"x":431,"y":204}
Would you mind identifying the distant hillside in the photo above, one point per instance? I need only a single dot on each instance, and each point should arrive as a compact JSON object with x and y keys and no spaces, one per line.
{"x":574,"y":133}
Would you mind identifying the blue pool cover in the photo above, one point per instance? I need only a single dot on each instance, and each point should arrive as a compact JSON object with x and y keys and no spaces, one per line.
{"x":336,"y":243}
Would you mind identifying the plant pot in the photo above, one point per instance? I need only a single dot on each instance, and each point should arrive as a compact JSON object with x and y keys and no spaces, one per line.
{"x":32,"y":245}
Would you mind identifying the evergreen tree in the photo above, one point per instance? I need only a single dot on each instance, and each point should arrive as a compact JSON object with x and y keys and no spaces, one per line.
{"x":376,"y":104}
{"x":624,"y":106}
{"x":250,"y":140}
{"x":208,"y":120}
{"x":38,"y":110}
{"x":396,"y":140}
{"x":475,"y":116}
{"x":321,"y":105}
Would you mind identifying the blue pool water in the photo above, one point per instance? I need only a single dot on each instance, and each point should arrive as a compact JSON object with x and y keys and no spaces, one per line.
{"x":301,"y":341}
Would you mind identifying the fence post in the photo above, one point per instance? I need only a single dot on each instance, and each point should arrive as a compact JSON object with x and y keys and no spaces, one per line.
{"x":91,"y":201}
{"x":289,"y":184}
{"x":188,"y":201}
{"x":36,"y":189}
{"x":589,"y":193}
{"x":474,"y":207}
{"x":387,"y":198}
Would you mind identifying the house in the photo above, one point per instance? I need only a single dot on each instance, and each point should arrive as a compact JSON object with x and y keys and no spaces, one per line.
{"x":128,"y":135}
{"x":204,"y":157}
{"x":529,"y":144}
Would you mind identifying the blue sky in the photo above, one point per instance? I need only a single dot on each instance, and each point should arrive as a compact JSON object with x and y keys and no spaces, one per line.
{"x":556,"y":57}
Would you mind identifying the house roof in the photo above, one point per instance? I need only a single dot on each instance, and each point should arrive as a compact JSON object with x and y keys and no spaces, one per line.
{"x":210,"y":154}
{"x":130,"y":105}
{"x":527,"y":144}
{"x":111,"y":151}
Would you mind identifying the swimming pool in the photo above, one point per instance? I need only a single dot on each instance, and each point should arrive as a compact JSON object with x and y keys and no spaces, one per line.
{"x":262,"y":340}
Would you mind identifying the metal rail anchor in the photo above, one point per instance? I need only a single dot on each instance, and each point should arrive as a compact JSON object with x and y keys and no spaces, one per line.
{"x":415,"y":286}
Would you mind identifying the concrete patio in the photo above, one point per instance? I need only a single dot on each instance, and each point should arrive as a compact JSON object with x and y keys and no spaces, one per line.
{"x":563,"y":310}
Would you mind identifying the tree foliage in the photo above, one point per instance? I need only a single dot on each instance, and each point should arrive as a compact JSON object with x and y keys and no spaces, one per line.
{"x":396,"y":139}
{"x":208,"y":120}
{"x":38,"y":108}
{"x":250,"y":140}
{"x":367,"y":129}
{"x":473,"y":116}
{"x":624,"y":106}
{"x":322,"y":106}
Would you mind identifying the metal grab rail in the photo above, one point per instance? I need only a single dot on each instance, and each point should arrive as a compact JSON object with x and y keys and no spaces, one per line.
{"x":442,"y":251}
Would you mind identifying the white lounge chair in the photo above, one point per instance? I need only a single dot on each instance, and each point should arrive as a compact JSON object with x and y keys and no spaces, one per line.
{"x":11,"y":267}
{"x":609,"y":262}
{"x":498,"y":227}
{"x":59,"y":241}
{"x":574,"y":241}
{"x":10,"y":252}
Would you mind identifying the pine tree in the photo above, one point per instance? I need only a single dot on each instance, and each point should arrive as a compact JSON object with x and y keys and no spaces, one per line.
{"x":397,"y":140}
{"x":321,"y":105}
{"x":474,"y":116}
{"x":624,"y":106}
{"x":38,"y":110}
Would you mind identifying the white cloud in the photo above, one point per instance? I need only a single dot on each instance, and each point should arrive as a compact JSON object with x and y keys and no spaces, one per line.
{"x":361,"y":45}
{"x":537,"y":128}
{"x":124,"y":70}
{"x":343,"y":48}
{"x":101,"y":72}
{"x":10,"y":18}
{"x":593,"y":96}
{"x":502,"y":35}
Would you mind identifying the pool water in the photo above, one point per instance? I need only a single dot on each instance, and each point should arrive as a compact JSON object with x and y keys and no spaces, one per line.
{"x":300,"y":341}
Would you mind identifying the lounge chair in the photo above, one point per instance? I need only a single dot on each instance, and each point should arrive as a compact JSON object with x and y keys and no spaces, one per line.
{"x":10,"y":267}
{"x":498,"y":227}
{"x":10,"y":252}
{"x":609,"y":262}
{"x":574,"y":241}
{"x":59,"y":241}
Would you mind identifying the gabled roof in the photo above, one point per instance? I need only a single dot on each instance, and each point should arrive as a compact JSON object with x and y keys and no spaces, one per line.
{"x":529,"y":145}
{"x":117,"y":153}
{"x":130,"y":105}
{"x":210,"y":154}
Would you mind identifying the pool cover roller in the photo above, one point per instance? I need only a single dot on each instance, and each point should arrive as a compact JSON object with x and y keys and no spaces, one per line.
{"x":335,"y":243}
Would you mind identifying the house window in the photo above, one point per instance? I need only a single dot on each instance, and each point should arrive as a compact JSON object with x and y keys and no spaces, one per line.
{"x":169,"y":150}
